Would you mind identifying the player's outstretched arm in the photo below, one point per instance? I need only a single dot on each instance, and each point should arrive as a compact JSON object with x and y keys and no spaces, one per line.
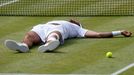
{"x":93,"y":34}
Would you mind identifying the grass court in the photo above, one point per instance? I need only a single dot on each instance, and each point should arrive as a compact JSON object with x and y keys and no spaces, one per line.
{"x":76,"y":56}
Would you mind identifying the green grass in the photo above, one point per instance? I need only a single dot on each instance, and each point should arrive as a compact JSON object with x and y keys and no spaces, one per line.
{"x":76,"y":56}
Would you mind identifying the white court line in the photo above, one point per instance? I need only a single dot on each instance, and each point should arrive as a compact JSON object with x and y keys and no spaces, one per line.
{"x":10,"y":2}
{"x":123,"y":69}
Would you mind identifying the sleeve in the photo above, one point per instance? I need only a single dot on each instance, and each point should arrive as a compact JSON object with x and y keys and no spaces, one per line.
{"x":82,"y":32}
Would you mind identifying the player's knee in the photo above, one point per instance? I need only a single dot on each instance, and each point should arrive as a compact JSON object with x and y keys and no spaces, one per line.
{"x":33,"y":37}
{"x":29,"y":35}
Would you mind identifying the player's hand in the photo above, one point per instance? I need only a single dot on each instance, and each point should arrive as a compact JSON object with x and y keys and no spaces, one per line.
{"x":126,"y":33}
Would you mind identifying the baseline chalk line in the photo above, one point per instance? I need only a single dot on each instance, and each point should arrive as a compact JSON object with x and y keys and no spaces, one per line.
{"x":10,"y":2}
{"x":123,"y":69}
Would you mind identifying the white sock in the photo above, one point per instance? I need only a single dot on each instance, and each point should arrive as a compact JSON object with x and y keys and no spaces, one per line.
{"x":51,"y":37}
{"x":115,"y":33}
{"x":25,"y":45}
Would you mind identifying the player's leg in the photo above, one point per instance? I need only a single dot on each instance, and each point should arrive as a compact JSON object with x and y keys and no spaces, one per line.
{"x":52,"y":42}
{"x":93,"y":34}
{"x":29,"y":39}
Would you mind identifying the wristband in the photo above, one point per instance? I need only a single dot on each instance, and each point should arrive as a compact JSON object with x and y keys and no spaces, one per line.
{"x":115,"y":33}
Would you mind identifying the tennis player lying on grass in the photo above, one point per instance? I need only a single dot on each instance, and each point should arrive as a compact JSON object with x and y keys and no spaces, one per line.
{"x":53,"y":33}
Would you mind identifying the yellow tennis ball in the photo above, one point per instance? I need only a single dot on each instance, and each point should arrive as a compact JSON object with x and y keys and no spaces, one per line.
{"x":109,"y":54}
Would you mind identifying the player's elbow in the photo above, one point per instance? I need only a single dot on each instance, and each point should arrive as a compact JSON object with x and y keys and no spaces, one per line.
{"x":99,"y":35}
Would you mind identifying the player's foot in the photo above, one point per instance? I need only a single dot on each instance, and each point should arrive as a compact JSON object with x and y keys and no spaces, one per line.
{"x":126,"y":33}
{"x":13,"y":45}
{"x":49,"y":46}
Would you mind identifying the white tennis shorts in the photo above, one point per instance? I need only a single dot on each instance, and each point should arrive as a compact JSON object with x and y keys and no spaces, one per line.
{"x":67,"y":30}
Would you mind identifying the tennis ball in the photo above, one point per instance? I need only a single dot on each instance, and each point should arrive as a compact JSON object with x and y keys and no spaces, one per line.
{"x":109,"y":54}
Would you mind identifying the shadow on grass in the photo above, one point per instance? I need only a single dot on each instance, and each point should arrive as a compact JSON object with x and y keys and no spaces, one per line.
{"x":56,"y":51}
{"x":18,"y":52}
{"x":111,"y":57}
{"x":123,"y":37}
{"x":110,"y":37}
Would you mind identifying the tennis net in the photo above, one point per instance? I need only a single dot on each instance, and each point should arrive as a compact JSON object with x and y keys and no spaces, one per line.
{"x":66,"y":7}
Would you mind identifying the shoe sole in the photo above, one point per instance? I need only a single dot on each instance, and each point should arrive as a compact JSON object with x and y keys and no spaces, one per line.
{"x":50,"y":47}
{"x":12,"y":45}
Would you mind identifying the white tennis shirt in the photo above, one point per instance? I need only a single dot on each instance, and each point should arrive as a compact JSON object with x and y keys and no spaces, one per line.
{"x":67,"y":29}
